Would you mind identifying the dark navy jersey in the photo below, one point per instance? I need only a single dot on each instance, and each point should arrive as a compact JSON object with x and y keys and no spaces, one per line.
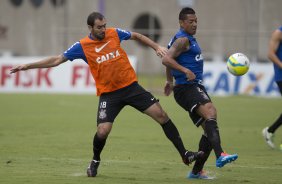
{"x":191,"y":59}
{"x":277,"y":70}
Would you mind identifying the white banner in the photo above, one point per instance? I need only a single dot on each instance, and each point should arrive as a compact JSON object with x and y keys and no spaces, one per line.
{"x":69,"y":77}
{"x":75,"y":77}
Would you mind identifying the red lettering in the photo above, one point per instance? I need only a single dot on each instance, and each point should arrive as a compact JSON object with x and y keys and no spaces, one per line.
{"x":28,"y":82}
{"x":42,"y":75}
{"x":5,"y":74}
{"x":81,"y":74}
{"x":87,"y":81}
{"x":17,"y":78}
{"x":76,"y":74}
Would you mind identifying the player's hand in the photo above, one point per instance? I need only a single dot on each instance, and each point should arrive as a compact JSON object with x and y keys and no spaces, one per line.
{"x":18,"y":68}
{"x":168,"y":88}
{"x":190,"y":75}
{"x":161,"y":51}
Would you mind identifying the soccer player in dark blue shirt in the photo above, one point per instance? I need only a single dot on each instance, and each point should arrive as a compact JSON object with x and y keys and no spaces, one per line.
{"x":184,"y":63}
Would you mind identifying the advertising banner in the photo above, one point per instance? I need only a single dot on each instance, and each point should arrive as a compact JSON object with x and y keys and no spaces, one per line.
{"x":259,"y":80}
{"x":75,"y":77}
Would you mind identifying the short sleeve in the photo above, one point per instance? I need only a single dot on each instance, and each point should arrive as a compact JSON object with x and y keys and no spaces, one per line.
{"x":75,"y":52}
{"x":123,"y":34}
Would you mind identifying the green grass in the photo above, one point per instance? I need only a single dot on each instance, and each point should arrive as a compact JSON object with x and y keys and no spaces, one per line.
{"x":48,"y":139}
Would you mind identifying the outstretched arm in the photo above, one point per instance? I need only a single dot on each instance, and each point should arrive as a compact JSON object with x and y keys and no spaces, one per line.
{"x":180,"y":45}
{"x":44,"y":63}
{"x":160,"y":51}
{"x":275,"y":39}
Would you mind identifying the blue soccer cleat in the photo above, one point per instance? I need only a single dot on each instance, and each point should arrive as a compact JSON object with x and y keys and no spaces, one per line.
{"x":201,"y":175}
{"x":225,"y":158}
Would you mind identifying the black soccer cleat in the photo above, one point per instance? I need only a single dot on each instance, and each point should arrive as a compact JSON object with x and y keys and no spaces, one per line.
{"x":190,"y":156}
{"x":93,"y":168}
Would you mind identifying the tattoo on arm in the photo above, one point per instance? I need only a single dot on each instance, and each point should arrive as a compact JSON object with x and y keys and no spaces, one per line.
{"x":180,"y":45}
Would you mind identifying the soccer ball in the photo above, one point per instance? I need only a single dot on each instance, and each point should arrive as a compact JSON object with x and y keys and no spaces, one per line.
{"x":238,"y":64}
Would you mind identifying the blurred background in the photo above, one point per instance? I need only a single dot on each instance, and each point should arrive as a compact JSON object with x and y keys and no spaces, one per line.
{"x":48,"y":27}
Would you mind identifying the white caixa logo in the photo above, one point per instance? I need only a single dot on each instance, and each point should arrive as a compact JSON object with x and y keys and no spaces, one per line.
{"x":199,"y":57}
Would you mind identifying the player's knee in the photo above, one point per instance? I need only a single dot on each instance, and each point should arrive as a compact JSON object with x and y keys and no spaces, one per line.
{"x":211,"y":108}
{"x":161,"y":117}
{"x":210,"y":112}
{"x":157,"y":113}
{"x":103,"y":131}
{"x":102,"y":134}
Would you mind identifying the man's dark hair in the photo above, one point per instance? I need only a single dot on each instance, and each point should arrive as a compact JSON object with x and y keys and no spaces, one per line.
{"x":184,"y":12}
{"x":93,"y":16}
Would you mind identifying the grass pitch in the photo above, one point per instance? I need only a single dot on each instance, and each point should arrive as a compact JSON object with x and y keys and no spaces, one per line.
{"x":48,"y":139}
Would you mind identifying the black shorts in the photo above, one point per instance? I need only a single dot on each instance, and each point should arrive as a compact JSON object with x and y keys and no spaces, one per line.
{"x":110,"y":104}
{"x":189,"y":97}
